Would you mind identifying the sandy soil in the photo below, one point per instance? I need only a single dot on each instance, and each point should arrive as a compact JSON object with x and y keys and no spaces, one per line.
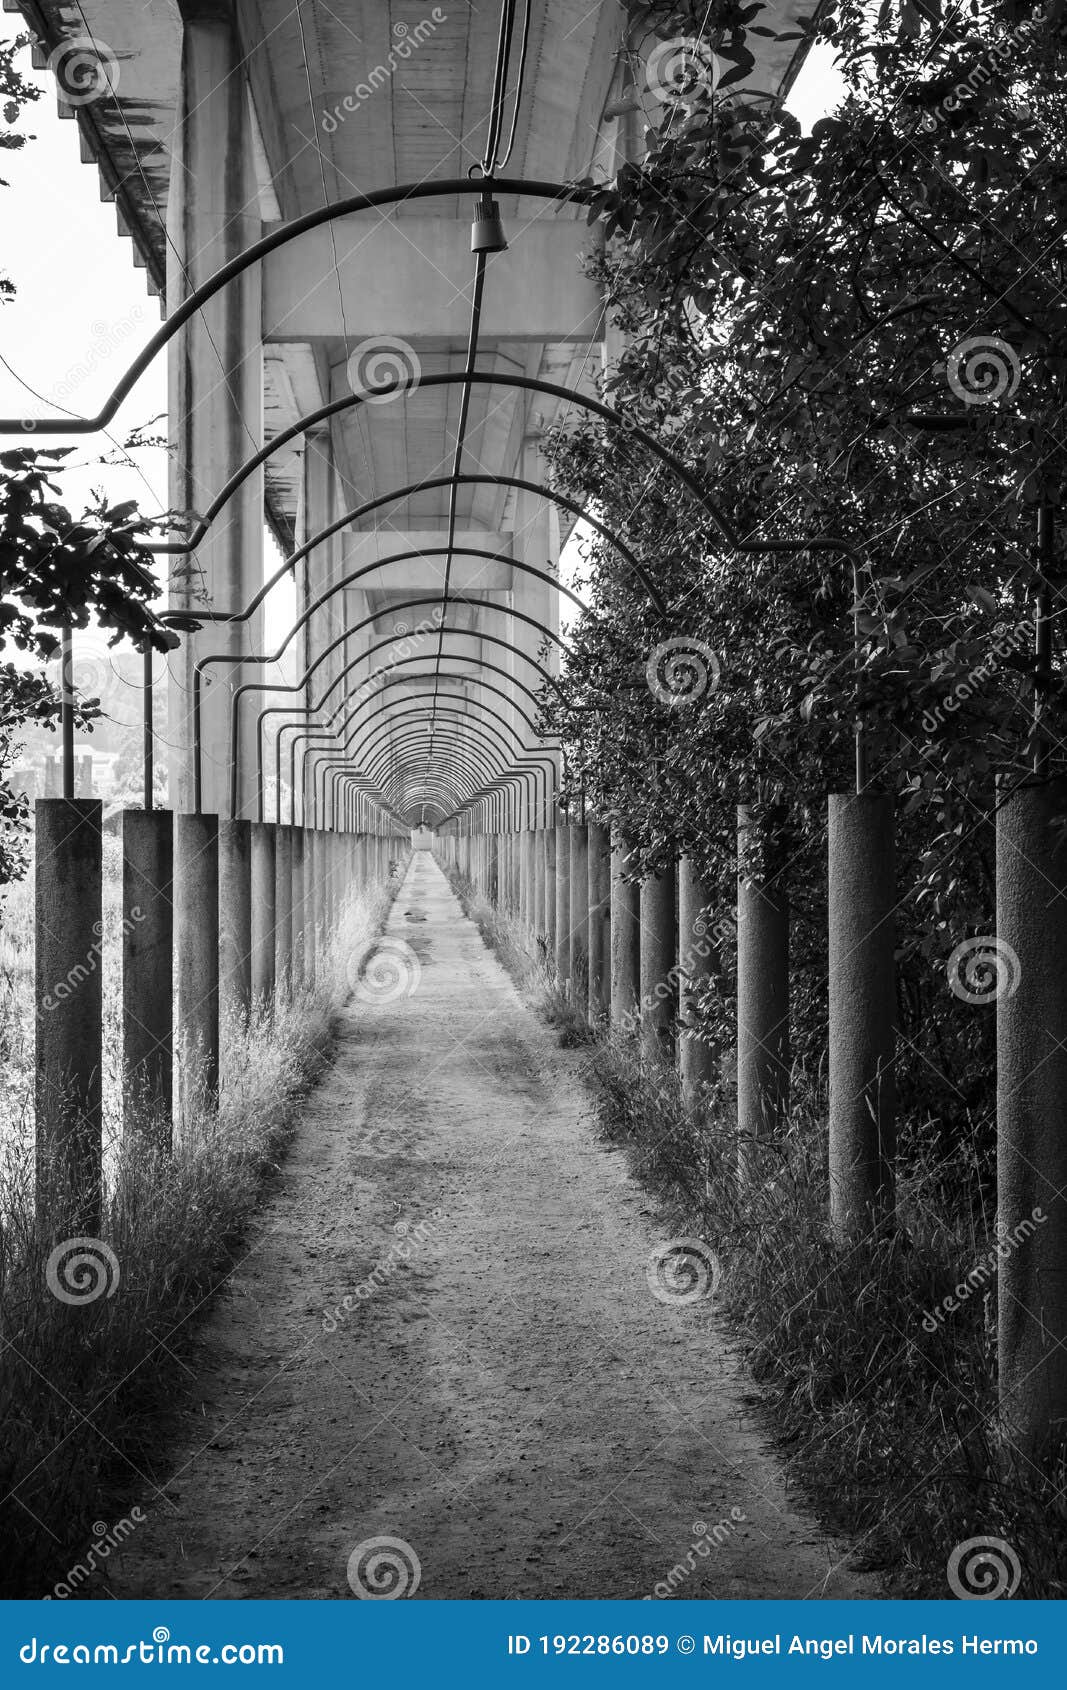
{"x":505,"y":1395}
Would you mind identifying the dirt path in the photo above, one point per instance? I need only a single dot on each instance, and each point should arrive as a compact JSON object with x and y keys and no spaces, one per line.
{"x":510,"y":1401}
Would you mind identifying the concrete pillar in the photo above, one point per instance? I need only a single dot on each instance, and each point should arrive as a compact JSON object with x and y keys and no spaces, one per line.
{"x":658,"y":965}
{"x":68,"y":933}
{"x":263,"y":893}
{"x":578,"y":969}
{"x":762,"y":1000}
{"x":698,"y":964}
{"x":314,"y":894}
{"x":215,"y":380}
{"x":625,"y":925}
{"x":148,"y":975}
{"x":550,"y":897}
{"x":283,"y":913}
{"x":1024,"y":972}
{"x":862,"y":1034}
{"x":298,"y":908}
{"x":196,"y":915}
{"x":563,"y":904}
{"x":599,"y":895}
{"x":235,"y":918}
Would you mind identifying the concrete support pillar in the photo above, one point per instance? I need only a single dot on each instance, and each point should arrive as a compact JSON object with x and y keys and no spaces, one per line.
{"x":659,"y":954}
{"x":299,"y":908}
{"x":698,"y":964}
{"x":762,"y":1001}
{"x":196,"y":914}
{"x":263,"y":893}
{"x":862,"y":893}
{"x":68,"y":865}
{"x":283,"y":913}
{"x":625,"y":924}
{"x":235,"y":918}
{"x":551,"y":838}
{"x":563,"y":904}
{"x":215,"y":378}
{"x":578,"y":968}
{"x":1023,"y":970}
{"x":599,"y":896}
{"x":148,"y":975}
{"x":316,"y":844}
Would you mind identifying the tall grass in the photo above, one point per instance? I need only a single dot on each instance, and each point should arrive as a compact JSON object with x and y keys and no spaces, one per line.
{"x":889,"y":1424}
{"x":82,"y":1386}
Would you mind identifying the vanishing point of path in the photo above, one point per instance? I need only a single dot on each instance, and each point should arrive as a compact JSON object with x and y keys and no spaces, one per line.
{"x":510,"y":1400}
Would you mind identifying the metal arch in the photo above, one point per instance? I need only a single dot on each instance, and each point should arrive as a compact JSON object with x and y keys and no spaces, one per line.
{"x":304,"y":732}
{"x":481,"y":731}
{"x":265,"y":686}
{"x":510,"y":767}
{"x":485,"y":378}
{"x":465,"y":478}
{"x":456,"y":597}
{"x":254,"y":254}
{"x":290,"y":710}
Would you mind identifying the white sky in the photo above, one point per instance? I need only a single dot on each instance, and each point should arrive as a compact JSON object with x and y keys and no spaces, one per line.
{"x":82,"y":311}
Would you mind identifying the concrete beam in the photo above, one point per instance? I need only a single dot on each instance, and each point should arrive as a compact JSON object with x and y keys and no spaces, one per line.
{"x":428,"y":573}
{"x":417,"y":270}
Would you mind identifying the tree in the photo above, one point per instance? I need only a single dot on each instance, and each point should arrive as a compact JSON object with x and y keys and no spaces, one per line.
{"x":789,"y":303}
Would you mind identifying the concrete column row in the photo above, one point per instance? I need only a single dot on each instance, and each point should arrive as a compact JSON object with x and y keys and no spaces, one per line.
{"x":637,"y":952}
{"x":236,"y":915}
